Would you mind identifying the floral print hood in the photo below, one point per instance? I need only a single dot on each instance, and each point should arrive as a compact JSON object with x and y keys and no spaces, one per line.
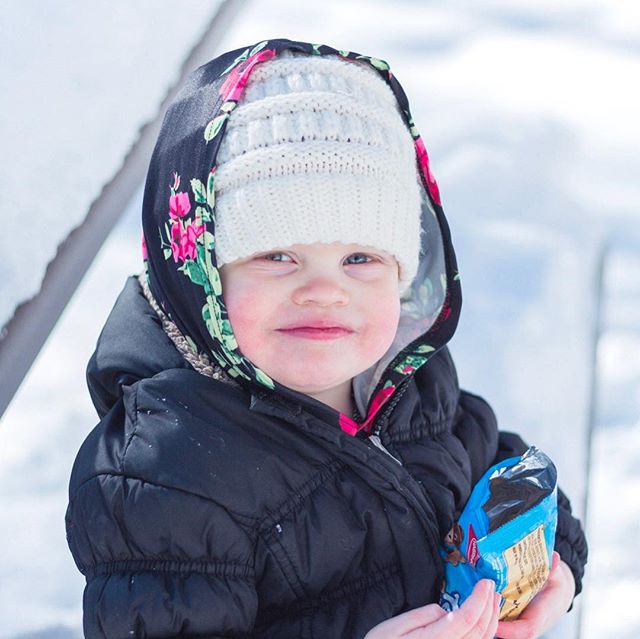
{"x":178,"y":220}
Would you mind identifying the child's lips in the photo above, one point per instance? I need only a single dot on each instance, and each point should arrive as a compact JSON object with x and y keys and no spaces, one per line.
{"x":317,"y":332}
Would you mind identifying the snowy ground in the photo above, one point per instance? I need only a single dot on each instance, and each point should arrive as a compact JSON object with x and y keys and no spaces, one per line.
{"x":530,"y":119}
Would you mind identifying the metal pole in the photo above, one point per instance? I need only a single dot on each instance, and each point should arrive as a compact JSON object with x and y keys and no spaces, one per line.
{"x":592,"y":416}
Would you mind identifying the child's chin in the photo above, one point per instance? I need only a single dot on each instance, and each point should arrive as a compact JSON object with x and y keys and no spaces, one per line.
{"x":311,"y":383}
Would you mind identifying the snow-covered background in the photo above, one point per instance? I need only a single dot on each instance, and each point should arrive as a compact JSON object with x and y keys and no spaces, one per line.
{"x":529,"y":112}
{"x":80,"y":79}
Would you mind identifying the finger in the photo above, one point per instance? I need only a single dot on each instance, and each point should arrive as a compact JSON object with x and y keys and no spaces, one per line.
{"x":515,"y":629}
{"x":419,"y":617}
{"x":408,"y":624}
{"x":487,"y":624}
{"x":463,"y":620}
{"x":495,"y":619}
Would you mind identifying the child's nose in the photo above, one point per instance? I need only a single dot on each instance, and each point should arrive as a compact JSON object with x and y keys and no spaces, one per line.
{"x":323,"y":291}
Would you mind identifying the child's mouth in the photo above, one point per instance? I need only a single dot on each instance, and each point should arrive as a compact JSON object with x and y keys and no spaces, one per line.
{"x":309,"y":332}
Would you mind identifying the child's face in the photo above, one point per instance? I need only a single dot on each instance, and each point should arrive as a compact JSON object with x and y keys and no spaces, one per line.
{"x":312,"y":316}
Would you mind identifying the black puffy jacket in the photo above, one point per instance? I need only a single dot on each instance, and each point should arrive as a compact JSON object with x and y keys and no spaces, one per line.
{"x":207,"y":506}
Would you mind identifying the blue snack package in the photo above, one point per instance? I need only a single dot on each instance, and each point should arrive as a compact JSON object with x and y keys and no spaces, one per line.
{"x":506,"y":532}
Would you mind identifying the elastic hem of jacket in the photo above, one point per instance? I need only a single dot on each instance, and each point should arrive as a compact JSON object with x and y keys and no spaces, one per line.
{"x":573,"y":559}
{"x":215,"y":569}
{"x":427,"y":430}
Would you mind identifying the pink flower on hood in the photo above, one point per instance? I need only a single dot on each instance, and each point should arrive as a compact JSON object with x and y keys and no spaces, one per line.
{"x":183,"y":241}
{"x":236,"y":81}
{"x":423,"y":158}
{"x":179,"y":205}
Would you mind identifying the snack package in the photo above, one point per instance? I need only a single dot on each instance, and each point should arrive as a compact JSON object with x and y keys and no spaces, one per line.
{"x":506,"y":532}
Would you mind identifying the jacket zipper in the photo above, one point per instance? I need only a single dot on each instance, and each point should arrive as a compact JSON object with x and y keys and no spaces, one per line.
{"x":375,"y":440}
{"x":402,"y":387}
{"x":408,"y":487}
{"x":405,"y":484}
{"x":383,"y":418}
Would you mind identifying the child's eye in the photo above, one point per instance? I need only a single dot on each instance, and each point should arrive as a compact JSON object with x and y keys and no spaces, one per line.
{"x":275,"y":257}
{"x":360,"y":258}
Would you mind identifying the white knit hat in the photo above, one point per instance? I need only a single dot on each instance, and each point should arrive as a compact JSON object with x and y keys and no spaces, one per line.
{"x":317,"y":151}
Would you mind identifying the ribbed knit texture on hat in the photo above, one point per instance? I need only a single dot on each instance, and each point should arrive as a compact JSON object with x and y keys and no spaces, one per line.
{"x":317,"y":151}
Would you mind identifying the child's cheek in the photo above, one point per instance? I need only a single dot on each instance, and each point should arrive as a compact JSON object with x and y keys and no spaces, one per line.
{"x":386,"y":322}
{"x":247,"y":313}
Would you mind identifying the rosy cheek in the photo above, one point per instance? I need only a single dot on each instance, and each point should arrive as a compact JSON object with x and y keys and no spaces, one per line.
{"x":249,"y":313}
{"x":388,"y":320}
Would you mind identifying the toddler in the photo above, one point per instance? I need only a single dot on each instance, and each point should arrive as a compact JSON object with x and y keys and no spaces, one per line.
{"x":283,"y":444}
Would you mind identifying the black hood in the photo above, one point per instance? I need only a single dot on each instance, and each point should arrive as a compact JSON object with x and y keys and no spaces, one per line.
{"x":179,"y":234}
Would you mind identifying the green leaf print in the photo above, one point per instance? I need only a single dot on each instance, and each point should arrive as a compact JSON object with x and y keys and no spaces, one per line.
{"x":228,"y":106}
{"x":216,"y":309}
{"x":212,"y":320}
{"x":213,"y":128}
{"x":316,"y":49}
{"x":410,"y":363}
{"x":240,"y":58}
{"x":214,"y":278}
{"x":212,"y":327}
{"x":203,"y":214}
{"x":167,"y":253}
{"x":228,"y":338}
{"x":264,"y":379}
{"x":232,"y":355}
{"x":208,"y":265}
{"x":221,"y":360}
{"x":208,"y":240}
{"x":230,"y":364}
{"x":259,"y":47}
{"x":199,"y":192}
{"x":195,"y":272}
{"x":456,"y":277}
{"x":375,"y":62}
{"x":211,"y":193}
{"x":425,"y":348}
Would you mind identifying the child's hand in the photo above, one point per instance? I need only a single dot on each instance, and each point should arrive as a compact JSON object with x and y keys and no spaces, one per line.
{"x":477,"y":618}
{"x":546,"y":608}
